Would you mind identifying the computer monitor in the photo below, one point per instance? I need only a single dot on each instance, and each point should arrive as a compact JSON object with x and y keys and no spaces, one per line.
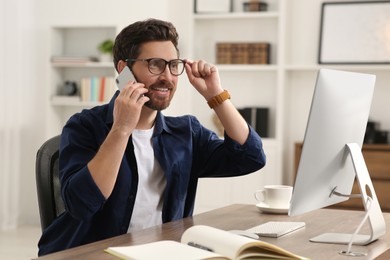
{"x":331,"y":155}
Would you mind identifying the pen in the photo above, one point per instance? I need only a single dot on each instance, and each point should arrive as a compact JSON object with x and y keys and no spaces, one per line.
{"x":200,"y":246}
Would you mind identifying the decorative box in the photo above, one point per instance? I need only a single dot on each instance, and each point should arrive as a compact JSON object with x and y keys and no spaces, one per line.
{"x":255,"y":6}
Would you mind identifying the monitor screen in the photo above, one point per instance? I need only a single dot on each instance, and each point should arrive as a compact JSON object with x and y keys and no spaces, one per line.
{"x":338,"y":116}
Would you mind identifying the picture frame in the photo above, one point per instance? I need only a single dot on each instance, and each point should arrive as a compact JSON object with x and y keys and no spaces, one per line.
{"x":355,"y":32}
{"x":213,"y":6}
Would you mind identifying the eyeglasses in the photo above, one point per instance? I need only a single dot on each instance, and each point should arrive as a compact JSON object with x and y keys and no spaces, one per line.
{"x":157,"y":66}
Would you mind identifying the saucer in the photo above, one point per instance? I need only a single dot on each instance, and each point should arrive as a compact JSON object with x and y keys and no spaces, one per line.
{"x":265,"y":208}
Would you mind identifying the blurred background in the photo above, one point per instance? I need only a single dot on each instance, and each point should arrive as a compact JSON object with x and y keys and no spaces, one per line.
{"x":50,"y":52}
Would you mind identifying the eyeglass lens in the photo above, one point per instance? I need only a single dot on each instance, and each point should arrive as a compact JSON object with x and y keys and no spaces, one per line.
{"x":157,"y":66}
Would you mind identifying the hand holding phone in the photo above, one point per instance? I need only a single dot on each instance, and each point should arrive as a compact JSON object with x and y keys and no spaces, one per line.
{"x":124,"y":77}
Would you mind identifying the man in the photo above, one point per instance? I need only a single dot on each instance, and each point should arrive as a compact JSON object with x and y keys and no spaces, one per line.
{"x":125,"y":166}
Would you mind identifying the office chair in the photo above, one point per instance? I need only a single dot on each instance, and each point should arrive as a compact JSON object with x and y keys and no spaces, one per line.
{"x":48,"y":183}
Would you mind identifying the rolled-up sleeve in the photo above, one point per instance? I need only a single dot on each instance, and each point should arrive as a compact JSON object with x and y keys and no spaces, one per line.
{"x":223,"y":158}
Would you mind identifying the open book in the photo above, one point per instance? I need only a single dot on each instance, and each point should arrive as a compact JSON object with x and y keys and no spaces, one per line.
{"x":204,"y":242}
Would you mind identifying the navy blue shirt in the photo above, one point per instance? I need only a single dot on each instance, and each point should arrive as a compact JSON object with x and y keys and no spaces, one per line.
{"x":185,"y":150}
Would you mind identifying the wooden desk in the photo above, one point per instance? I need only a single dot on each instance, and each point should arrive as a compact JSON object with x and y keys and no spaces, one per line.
{"x":243,"y":217}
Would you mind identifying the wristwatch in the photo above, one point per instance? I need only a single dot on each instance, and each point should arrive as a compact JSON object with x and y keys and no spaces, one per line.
{"x":218,"y":99}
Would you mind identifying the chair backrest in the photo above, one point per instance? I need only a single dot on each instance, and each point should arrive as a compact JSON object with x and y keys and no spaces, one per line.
{"x":48,"y":182}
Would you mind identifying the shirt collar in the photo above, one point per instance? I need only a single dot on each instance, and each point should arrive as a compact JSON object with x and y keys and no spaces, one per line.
{"x":161,"y":124}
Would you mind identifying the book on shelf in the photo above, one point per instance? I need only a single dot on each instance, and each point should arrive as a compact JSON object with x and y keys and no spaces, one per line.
{"x":257,"y":117}
{"x":204,"y":242}
{"x":97,"y":89}
{"x":72,"y":59}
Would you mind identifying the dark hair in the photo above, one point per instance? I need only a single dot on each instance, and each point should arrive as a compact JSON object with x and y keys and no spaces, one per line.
{"x":128,"y":42}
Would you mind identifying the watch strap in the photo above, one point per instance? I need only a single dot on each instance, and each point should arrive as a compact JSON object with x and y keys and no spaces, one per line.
{"x":218,"y":99}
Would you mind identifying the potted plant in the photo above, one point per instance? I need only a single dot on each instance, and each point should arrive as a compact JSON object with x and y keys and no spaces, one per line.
{"x":105,"y":49}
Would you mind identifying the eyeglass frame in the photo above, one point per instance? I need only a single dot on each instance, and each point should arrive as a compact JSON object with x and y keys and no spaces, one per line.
{"x":165,"y":67}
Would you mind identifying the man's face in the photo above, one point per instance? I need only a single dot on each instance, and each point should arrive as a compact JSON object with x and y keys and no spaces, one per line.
{"x":161,"y":87}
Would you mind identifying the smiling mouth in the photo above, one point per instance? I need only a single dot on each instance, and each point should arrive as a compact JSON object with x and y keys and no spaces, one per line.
{"x":160,"y":89}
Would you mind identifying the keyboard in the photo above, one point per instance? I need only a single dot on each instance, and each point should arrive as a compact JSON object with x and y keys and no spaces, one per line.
{"x":276,"y":228}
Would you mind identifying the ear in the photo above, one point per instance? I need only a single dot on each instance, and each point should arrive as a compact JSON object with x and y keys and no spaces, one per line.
{"x":121,"y":64}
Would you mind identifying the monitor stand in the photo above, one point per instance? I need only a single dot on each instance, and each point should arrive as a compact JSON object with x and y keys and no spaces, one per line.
{"x":375,"y":217}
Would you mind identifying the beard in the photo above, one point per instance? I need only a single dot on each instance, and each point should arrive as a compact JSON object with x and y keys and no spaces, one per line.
{"x":158,"y":102}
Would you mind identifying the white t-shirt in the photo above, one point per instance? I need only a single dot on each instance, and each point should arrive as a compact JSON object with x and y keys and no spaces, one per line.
{"x":151,"y":183}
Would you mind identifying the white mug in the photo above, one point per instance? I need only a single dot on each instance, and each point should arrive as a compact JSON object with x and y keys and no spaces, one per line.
{"x":275,"y":196}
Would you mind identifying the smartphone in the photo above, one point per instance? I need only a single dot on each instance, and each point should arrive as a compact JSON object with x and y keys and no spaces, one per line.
{"x":276,"y":228}
{"x":124,"y":77}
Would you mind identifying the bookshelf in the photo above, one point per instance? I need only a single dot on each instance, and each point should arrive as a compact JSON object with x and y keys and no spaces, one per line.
{"x":74,"y":56}
{"x":242,"y":27}
{"x":251,"y":85}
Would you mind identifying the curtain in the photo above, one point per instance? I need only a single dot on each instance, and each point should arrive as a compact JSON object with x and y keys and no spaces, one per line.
{"x":9,"y":148}
{"x":15,"y":111}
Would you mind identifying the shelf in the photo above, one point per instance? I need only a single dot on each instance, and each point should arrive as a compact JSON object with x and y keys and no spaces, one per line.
{"x":73,"y":102}
{"x":84,"y":65}
{"x":237,"y":15}
{"x":245,"y":67}
{"x":359,"y":67}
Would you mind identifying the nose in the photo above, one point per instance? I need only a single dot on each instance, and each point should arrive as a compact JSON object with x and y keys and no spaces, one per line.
{"x":167,"y":73}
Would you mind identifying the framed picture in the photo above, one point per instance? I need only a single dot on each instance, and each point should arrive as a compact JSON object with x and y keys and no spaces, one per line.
{"x":213,"y":6}
{"x":355,"y":33}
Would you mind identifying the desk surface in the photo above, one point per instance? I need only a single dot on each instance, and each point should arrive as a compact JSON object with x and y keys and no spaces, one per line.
{"x":246,"y":216}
